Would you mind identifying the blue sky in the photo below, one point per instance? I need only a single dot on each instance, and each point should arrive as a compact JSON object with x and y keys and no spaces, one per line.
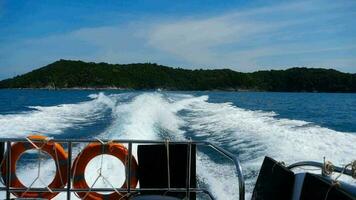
{"x":242,"y":35}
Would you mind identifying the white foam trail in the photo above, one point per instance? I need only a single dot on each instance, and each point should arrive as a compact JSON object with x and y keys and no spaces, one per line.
{"x":220,"y":179}
{"x":255,"y":134}
{"x":53,"y":119}
{"x":146,"y":116}
{"x":46,"y":174}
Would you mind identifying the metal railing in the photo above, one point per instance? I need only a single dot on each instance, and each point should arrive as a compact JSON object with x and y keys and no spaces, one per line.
{"x":321,"y":166}
{"x":69,"y":190}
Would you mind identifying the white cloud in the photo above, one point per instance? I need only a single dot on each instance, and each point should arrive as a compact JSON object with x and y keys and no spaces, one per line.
{"x":252,"y":33}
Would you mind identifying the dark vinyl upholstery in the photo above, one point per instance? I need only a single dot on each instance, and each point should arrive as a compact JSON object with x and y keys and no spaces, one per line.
{"x":318,"y":188}
{"x":153,"y":173}
{"x":274,"y":182}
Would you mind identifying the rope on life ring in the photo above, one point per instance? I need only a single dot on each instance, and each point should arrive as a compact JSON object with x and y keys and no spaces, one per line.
{"x":87,"y":154}
{"x":41,"y":143}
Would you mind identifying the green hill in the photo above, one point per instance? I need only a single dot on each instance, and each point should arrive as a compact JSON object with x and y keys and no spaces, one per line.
{"x":78,"y":74}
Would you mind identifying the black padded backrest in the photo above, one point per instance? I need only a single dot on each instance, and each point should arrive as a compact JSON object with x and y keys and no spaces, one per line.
{"x":2,"y":151}
{"x":153,"y":171}
{"x":318,"y":188}
{"x":274,"y":182}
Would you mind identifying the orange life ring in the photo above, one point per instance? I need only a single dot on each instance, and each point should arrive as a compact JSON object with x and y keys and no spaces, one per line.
{"x":89,"y":152}
{"x":54,"y":149}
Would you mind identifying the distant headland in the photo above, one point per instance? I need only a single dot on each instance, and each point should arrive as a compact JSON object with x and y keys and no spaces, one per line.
{"x":69,"y":74}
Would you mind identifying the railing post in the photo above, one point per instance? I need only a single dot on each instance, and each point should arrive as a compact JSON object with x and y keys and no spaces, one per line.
{"x":189,"y":160}
{"x":129,"y":170}
{"x":8,"y":167}
{"x":69,"y":175}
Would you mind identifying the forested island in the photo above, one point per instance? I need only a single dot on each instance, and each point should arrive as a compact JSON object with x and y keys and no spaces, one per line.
{"x":66,"y":74}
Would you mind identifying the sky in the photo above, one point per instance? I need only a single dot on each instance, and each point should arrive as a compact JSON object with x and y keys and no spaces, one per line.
{"x":243,"y":35}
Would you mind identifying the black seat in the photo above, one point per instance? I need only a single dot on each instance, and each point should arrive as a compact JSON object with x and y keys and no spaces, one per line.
{"x":277,"y":182}
{"x":153,"y":171}
{"x":274,"y":182}
{"x":319,"y":188}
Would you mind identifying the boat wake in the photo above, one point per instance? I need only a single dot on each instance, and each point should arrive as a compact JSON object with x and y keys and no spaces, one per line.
{"x":250,"y":135}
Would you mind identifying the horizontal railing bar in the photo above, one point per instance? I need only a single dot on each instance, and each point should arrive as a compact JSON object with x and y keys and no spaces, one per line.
{"x":178,"y":190}
{"x":104,"y":140}
{"x":102,"y":189}
{"x":337,"y":169}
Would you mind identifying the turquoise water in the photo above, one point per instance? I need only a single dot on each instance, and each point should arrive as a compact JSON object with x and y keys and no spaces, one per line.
{"x":287,"y":126}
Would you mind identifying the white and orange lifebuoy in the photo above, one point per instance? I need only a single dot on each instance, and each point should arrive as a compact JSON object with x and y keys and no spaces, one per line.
{"x":54,"y":149}
{"x":95,"y":149}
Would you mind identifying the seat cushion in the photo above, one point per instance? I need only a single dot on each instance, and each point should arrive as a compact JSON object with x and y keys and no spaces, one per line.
{"x":153,"y":172}
{"x":274,"y":182}
{"x":319,"y":188}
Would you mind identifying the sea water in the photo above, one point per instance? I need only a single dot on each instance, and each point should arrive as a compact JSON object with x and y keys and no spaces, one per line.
{"x":289,"y":127}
